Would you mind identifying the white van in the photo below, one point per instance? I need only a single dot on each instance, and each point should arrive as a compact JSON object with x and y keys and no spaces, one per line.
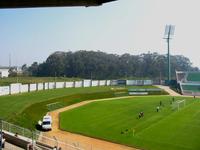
{"x":47,"y":123}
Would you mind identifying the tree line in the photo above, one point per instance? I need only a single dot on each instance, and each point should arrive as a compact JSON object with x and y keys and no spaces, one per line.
{"x":101,"y":65}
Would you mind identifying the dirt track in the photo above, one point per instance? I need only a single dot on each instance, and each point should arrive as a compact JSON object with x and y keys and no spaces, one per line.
{"x":87,"y":143}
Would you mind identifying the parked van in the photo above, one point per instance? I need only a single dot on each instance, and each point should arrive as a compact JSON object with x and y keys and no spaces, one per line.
{"x":47,"y":122}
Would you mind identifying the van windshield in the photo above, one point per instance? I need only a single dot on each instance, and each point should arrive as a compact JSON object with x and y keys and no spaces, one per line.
{"x":46,"y":122}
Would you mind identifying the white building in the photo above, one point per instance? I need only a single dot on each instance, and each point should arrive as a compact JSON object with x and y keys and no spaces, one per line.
{"x":4,"y":72}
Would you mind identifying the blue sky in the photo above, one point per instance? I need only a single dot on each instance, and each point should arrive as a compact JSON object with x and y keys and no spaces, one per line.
{"x":124,"y":26}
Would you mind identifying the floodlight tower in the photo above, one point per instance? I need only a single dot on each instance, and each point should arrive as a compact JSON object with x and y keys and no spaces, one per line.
{"x":169,"y":33}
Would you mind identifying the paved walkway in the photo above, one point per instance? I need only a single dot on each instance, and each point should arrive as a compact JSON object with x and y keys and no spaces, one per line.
{"x":87,"y":143}
{"x":9,"y":146}
{"x":168,"y":90}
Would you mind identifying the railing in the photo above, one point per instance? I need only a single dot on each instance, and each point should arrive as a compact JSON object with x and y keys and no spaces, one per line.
{"x":38,"y":140}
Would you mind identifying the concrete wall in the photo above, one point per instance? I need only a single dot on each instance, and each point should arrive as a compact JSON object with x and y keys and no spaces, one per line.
{"x":139,"y":82}
{"x":19,"y":88}
{"x":86,"y":83}
{"x":51,"y":85}
{"x":95,"y":82}
{"x":108,"y":82}
{"x":102,"y":82}
{"x":78,"y":83}
{"x":69,"y":84}
{"x":46,"y":86}
{"x":148,"y":82}
{"x":4,"y":90}
{"x":60,"y":85}
{"x":24,"y":88}
{"x":113,"y":82}
{"x":40,"y":86}
{"x":33,"y":87}
{"x":15,"y":88}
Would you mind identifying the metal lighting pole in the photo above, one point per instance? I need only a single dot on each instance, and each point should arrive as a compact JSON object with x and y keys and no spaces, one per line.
{"x":169,"y":32}
{"x":169,"y":64}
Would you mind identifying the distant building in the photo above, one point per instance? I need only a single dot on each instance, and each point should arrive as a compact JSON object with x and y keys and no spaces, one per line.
{"x":4,"y":72}
{"x":16,"y":69}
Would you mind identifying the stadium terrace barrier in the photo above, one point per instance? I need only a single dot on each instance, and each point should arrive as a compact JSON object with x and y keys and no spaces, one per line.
{"x":138,"y":93}
{"x":145,"y":90}
{"x":23,"y":138}
{"x":17,"y":88}
{"x":189,"y":82}
{"x":139,"y":82}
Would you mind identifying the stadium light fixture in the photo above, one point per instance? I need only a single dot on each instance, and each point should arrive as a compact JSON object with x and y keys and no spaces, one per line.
{"x":169,"y":33}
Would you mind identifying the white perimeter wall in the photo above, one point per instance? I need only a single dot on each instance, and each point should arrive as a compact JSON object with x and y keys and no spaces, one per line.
{"x":148,"y":82}
{"x":113,"y":82}
{"x":131,"y":82}
{"x":46,"y":86}
{"x":78,"y":83}
{"x":95,"y":82}
{"x":15,"y":88}
{"x":102,"y":82}
{"x":108,"y":82}
{"x":40,"y":86}
{"x":69,"y":84}
{"x":51,"y":85}
{"x":19,"y":88}
{"x":86,"y":83}
{"x":24,"y":88}
{"x":4,"y":90}
{"x":60,"y":85}
{"x":33,"y":87}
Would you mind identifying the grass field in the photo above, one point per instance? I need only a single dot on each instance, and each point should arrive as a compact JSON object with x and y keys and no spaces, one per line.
{"x":117,"y":120}
{"x":26,"y":80}
{"x":14,"y":105}
{"x":26,"y":109}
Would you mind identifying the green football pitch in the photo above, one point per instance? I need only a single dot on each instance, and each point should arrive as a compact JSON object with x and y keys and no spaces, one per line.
{"x":26,"y":109}
{"x":118,"y":121}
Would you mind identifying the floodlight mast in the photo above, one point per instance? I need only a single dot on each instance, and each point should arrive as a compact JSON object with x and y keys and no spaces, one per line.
{"x":169,"y":32}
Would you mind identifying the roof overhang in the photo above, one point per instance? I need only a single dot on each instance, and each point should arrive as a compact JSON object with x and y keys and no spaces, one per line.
{"x":50,"y":3}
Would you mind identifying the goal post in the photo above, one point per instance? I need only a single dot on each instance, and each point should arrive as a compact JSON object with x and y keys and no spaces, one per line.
{"x":178,"y":104}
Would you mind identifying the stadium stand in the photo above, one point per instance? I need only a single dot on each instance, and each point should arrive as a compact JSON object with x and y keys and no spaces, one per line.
{"x":189,"y":82}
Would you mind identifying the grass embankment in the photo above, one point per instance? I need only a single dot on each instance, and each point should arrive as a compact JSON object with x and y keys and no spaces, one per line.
{"x":26,"y":80}
{"x":117,"y":121}
{"x":14,"y":105}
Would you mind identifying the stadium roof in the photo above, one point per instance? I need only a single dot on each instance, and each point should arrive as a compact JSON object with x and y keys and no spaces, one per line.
{"x":50,"y":3}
